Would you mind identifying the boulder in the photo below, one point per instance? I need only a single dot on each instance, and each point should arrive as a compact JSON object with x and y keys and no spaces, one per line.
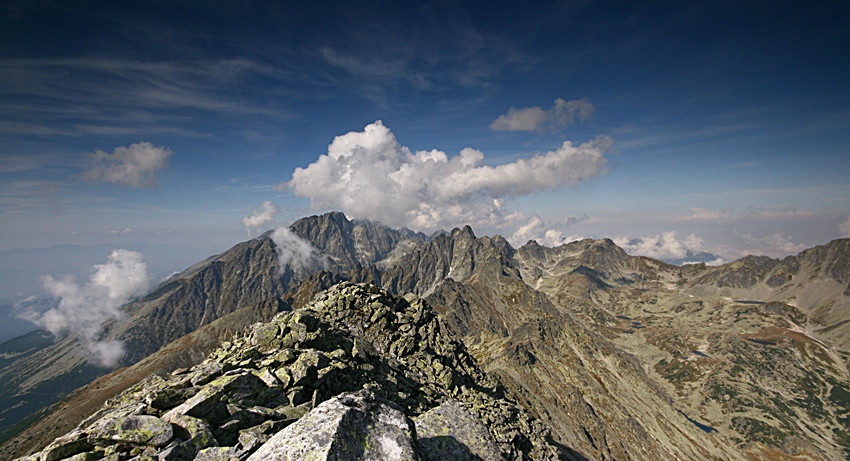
{"x":66,"y":446}
{"x":133,"y":429}
{"x":352,"y":426}
{"x":451,"y":433}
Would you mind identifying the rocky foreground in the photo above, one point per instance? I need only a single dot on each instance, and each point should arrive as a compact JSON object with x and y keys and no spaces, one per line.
{"x":357,"y":374}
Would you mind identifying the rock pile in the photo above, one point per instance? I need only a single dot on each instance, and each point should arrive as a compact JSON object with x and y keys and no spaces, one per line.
{"x":339,"y":379}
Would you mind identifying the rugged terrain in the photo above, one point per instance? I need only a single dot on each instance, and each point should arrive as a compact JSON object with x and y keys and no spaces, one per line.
{"x":621,"y":357}
{"x":344,"y":374}
{"x":747,"y":349}
{"x":37,"y":370}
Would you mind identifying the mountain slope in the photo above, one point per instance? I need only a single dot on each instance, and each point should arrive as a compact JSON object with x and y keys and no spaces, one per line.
{"x":595,"y":397}
{"x":735,"y":345}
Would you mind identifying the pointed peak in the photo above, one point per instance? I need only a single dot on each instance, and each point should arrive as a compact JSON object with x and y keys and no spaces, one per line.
{"x":336,"y":217}
{"x":465,"y":232}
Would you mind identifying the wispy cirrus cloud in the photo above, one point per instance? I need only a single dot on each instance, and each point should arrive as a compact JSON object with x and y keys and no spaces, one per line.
{"x":135,"y":83}
{"x":95,"y":95}
{"x":749,"y":213}
{"x":437,"y":51}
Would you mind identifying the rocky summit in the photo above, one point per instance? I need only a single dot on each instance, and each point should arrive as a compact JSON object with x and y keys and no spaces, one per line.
{"x":356,"y":374}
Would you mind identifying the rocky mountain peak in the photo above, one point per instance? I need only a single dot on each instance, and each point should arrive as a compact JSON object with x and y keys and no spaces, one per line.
{"x":832,"y":259}
{"x":356,"y":368}
{"x":464,"y":233}
{"x":350,"y":243}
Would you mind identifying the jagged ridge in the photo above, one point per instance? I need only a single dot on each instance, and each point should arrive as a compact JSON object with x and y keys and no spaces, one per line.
{"x":350,"y":338}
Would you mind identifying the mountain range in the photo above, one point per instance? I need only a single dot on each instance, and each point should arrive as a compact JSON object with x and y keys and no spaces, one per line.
{"x":618,"y":356}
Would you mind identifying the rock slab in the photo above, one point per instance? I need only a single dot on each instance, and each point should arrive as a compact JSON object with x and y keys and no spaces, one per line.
{"x":450,"y":433}
{"x":352,"y":426}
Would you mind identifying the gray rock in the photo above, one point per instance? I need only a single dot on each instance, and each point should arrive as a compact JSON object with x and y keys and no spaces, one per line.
{"x":451,"y":433}
{"x":87,"y":456}
{"x":219,"y":454}
{"x":178,"y":452}
{"x":351,"y":426}
{"x":66,"y":446}
{"x":135,"y":429}
{"x":195,"y":430}
{"x":204,"y":403}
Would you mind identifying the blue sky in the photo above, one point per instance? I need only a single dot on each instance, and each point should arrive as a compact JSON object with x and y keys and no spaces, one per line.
{"x":719,"y":127}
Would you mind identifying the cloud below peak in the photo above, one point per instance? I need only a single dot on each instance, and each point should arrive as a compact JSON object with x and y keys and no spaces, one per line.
{"x":83,"y":309}
{"x":561,"y":115}
{"x":369,"y":174}
{"x":667,"y":246}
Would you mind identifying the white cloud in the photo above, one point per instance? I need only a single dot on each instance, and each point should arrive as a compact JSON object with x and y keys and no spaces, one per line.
{"x":134,"y":166}
{"x":83,"y":309}
{"x":370,"y":175}
{"x":668,"y":247}
{"x":844,"y":227}
{"x":259,"y":218}
{"x":561,"y":115}
{"x":552,"y":236}
{"x":296,"y":253}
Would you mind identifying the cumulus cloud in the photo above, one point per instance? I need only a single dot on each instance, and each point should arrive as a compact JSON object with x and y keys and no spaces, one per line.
{"x":670,"y":248}
{"x":535,"y":228}
{"x":259,"y":218}
{"x":370,"y":175}
{"x":561,"y":115}
{"x":134,"y":166}
{"x":83,"y":309}
{"x":844,"y":227}
{"x":296,"y":253}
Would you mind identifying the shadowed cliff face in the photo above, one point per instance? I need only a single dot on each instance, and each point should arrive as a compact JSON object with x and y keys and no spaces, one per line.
{"x":622,"y":356}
